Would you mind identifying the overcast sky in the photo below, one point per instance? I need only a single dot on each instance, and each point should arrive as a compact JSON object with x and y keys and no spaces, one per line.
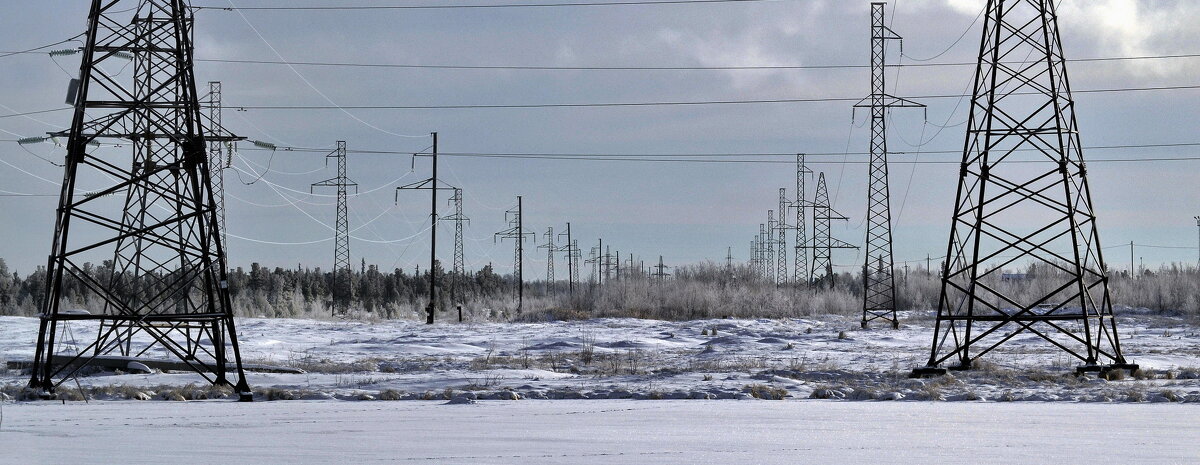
{"x":686,"y":212}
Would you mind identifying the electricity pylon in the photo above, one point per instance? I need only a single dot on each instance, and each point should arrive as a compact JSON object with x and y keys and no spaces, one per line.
{"x":433,"y":185}
{"x":879,"y":280}
{"x":551,"y":249}
{"x":217,"y":156}
{"x":459,"y":220}
{"x":760,"y":254}
{"x":594,"y":260}
{"x":769,"y":248}
{"x":343,"y":285}
{"x":168,"y":289}
{"x":801,"y":273}
{"x":660,"y":272}
{"x":781,"y":274}
{"x":574,"y":256}
{"x":753,"y":261}
{"x":516,"y":231}
{"x":1023,"y":200}
{"x":823,"y":241}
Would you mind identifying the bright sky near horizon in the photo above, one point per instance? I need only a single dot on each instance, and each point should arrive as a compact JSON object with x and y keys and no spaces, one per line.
{"x":684,"y":211}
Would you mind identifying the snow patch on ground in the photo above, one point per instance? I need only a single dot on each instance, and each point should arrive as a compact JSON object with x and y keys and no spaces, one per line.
{"x":821,"y":358}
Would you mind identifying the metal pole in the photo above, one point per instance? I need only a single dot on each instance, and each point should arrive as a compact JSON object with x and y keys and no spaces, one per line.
{"x":520,"y":257}
{"x":433,"y":236}
{"x":570,"y":262}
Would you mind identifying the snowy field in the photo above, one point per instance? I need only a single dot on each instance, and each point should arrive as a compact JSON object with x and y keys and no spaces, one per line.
{"x":822,"y":358}
{"x":602,"y":431}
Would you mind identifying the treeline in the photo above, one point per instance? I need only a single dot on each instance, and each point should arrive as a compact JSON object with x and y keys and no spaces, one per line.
{"x":284,"y":292}
{"x":706,"y":290}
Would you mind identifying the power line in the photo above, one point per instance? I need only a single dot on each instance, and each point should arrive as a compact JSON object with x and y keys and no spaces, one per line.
{"x":38,"y":112}
{"x":660,"y":103}
{"x":566,"y":155}
{"x":35,"y":49}
{"x":644,"y":68}
{"x":461,"y":6}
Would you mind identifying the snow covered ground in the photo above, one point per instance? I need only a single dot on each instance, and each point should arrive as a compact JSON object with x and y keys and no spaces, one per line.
{"x":827,"y":357}
{"x":602,"y":431}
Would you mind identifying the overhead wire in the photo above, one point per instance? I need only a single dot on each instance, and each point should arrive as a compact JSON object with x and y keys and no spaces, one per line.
{"x":310,"y":84}
{"x":459,"y":6}
{"x":781,"y":67}
{"x":671,"y":103}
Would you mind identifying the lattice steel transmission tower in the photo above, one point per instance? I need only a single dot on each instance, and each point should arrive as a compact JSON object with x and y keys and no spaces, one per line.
{"x":801,"y":274}
{"x":516,"y":231}
{"x":823,"y":240}
{"x":343,"y":285}
{"x":769,"y":248}
{"x":1023,"y":200}
{"x":459,"y":220}
{"x":594,"y":260}
{"x":660,"y":272}
{"x":218,"y":158}
{"x":551,"y":249}
{"x":760,"y":254}
{"x":753,"y":261}
{"x":781,"y":273}
{"x":574,"y":256}
{"x":166,"y":287}
{"x":879,"y":280}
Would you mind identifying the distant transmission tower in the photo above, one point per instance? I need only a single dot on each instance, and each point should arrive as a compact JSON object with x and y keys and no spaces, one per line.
{"x":760,"y":253}
{"x":516,"y":231}
{"x":167,"y":291}
{"x":459,"y":219}
{"x":217,"y":155}
{"x":879,"y":280}
{"x":594,"y":260}
{"x":801,"y":226}
{"x":343,"y":287}
{"x":769,"y":248}
{"x":753,"y":261}
{"x":781,"y":274}
{"x":1023,"y":200}
{"x":574,"y":256}
{"x":551,"y":249}
{"x":823,"y":241}
{"x":660,"y":272}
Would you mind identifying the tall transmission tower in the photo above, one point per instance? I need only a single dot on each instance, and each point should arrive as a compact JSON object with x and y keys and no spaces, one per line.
{"x":516,"y":231}
{"x":760,"y":255}
{"x":823,"y":241}
{"x":343,"y":285}
{"x":594,"y":260}
{"x":610,"y":263}
{"x":217,"y":157}
{"x":574,"y":256}
{"x":551,"y":249}
{"x":781,"y":274}
{"x":660,"y":272}
{"x":168,"y":288}
{"x":802,"y":206}
{"x":1036,"y":213}
{"x":459,"y":220}
{"x":879,"y":280}
{"x":769,"y":248}
{"x":433,"y":185}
